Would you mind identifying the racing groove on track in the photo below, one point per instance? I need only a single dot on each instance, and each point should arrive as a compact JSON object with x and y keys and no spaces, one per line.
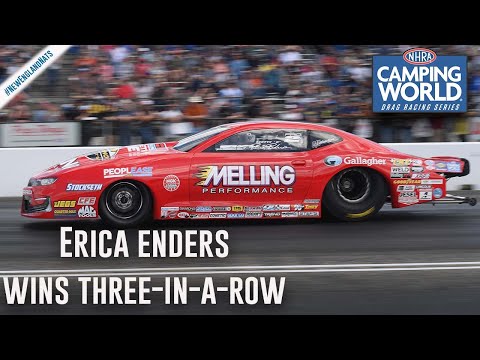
{"x":422,"y":234}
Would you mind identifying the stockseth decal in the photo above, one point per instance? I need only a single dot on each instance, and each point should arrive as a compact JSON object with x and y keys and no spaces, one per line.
{"x":240,"y":179}
{"x":171,"y":182}
{"x":84,"y":187}
{"x":420,"y":82}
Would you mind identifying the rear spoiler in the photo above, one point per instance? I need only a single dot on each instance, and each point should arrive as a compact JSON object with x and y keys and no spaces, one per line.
{"x":449,"y":166}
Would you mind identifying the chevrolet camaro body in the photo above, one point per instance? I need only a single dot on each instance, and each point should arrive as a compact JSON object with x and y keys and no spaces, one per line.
{"x":256,"y":169}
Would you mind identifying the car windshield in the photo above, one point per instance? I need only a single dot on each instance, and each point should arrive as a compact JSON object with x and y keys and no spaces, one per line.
{"x":192,"y":141}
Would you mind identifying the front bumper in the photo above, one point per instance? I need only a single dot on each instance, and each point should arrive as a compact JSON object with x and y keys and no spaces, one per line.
{"x":35,"y":204}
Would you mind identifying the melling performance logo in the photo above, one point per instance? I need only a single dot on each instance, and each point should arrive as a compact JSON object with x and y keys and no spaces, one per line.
{"x":419,"y":82}
{"x":240,"y":179}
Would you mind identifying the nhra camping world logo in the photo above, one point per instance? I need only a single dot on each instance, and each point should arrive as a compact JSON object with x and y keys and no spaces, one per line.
{"x":419,"y":82}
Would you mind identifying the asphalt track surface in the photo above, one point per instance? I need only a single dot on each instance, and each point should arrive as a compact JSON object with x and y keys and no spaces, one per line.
{"x":426,"y":235}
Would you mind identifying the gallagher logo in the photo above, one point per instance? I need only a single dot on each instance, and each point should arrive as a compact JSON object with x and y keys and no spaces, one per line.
{"x":419,"y":82}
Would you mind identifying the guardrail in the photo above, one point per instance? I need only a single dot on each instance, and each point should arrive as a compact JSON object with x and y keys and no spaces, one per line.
{"x":19,"y":164}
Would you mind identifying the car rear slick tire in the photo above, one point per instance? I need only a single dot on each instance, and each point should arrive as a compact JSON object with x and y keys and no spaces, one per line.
{"x":125,"y":204}
{"x":354,"y":194}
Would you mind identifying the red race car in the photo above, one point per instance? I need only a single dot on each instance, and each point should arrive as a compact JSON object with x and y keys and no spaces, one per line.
{"x":246,"y":170}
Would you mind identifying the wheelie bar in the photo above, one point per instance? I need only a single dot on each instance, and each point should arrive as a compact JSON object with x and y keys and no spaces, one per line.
{"x":453,"y":199}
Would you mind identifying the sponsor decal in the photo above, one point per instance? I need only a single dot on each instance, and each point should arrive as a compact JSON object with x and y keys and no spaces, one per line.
{"x":419,"y":82}
{"x":407,"y":182}
{"x":203,"y":209}
{"x":437,"y":193}
{"x":171,"y":182}
{"x":86,"y":201}
{"x":440,"y":166}
{"x":253,"y":208}
{"x":289,"y":214}
{"x":27,"y":192}
{"x":309,"y":213}
{"x":275,"y":207}
{"x":417,"y":168}
{"x":106,"y":154}
{"x":271,"y":214}
{"x":65,"y":213}
{"x":407,"y":197}
{"x":425,"y":195}
{"x":454,"y":167}
{"x":142,"y":148}
{"x":218,"y":215}
{"x":183,"y":215}
{"x":187,"y":208}
{"x":358,"y":160}
{"x":399,"y":176}
{"x":237,"y":208}
{"x":430,"y":167}
{"x":221,"y":208}
{"x":432,"y":182}
{"x":401,"y":162}
{"x":420,"y":176}
{"x":65,"y":204}
{"x":333,"y":160}
{"x":169,"y":212}
{"x":429,"y":162}
{"x":417,"y":162}
{"x":406,"y":188}
{"x":298,"y":207}
{"x":400,"y":169}
{"x":240,"y":179}
{"x":424,"y":186}
{"x":253,"y":214}
{"x":199,"y":216}
{"x":87,"y":212}
{"x":322,"y":142}
{"x":362,"y":214}
{"x":133,"y":171}
{"x":311,"y":207}
{"x":235,"y":215}
{"x":311,"y":201}
{"x":83,"y":187}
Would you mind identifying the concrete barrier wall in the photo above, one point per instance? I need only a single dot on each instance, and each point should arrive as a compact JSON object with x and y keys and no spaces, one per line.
{"x":19,"y":164}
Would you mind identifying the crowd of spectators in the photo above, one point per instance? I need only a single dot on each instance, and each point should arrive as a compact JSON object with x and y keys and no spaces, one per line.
{"x":167,"y":91}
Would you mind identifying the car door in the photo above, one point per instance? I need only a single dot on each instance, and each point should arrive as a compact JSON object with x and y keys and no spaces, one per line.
{"x":253,"y":167}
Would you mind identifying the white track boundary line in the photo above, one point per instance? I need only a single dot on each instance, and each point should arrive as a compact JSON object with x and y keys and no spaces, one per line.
{"x":245,"y":270}
{"x":246,"y":267}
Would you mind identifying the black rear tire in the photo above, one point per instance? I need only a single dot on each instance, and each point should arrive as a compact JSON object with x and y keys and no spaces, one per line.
{"x":125,"y":204}
{"x":354,"y":194}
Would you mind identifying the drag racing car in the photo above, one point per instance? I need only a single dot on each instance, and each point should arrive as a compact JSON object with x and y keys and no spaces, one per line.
{"x":244,"y":170}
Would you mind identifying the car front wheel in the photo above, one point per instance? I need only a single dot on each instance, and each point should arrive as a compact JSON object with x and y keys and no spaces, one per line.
{"x":125,"y":204}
